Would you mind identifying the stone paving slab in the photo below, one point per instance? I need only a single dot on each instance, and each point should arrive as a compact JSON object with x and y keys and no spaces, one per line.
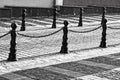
{"x":54,"y":59}
{"x":57,"y":68}
{"x":43,"y":74}
{"x":95,"y":64}
{"x":12,"y":76}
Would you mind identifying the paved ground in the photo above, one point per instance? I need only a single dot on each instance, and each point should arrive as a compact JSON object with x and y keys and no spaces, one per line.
{"x":39,"y":58}
{"x":95,"y":64}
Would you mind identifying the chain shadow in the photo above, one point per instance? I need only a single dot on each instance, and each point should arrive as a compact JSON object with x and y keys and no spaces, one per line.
{"x":70,"y":51}
{"x":58,"y":53}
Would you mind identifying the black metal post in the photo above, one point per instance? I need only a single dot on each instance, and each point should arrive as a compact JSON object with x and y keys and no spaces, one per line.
{"x":23,"y":20}
{"x":80,"y":17}
{"x":64,"y":48}
{"x":103,"y":14}
{"x":54,"y":15}
{"x":12,"y":54}
{"x":103,"y":39}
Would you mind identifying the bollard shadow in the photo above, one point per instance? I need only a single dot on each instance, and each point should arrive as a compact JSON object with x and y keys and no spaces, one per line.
{"x":31,"y":57}
{"x":92,"y":48}
{"x":86,"y":49}
{"x":3,"y":61}
{"x":39,"y":56}
{"x":58,"y":53}
{"x":70,"y":51}
{"x":114,"y":45}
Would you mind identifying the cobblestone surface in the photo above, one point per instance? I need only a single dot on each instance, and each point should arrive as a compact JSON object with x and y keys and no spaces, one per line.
{"x":82,"y":46}
{"x":42,"y":74}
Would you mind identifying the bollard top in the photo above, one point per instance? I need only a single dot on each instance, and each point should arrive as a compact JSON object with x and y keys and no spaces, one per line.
{"x":13,"y":25}
{"x":65,"y":22}
{"x":24,"y":10}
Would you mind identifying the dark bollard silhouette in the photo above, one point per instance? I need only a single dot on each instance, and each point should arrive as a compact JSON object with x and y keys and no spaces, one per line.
{"x":80,"y":17}
{"x":103,"y":39}
{"x":12,"y":54}
{"x":103,"y":14}
{"x":64,"y":48}
{"x":54,"y":14}
{"x":54,"y":18}
{"x":23,"y":20}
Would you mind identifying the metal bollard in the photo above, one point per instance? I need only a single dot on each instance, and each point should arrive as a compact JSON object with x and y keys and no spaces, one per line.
{"x":12,"y":54}
{"x":23,"y":20}
{"x":54,"y":14}
{"x":103,"y":14}
{"x":80,"y":17}
{"x":54,"y":18}
{"x":103,"y":39}
{"x":64,"y":48}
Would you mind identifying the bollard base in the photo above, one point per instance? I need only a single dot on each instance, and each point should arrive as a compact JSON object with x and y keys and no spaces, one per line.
{"x":53,"y":26}
{"x":12,"y":57}
{"x":11,"y":60}
{"x":22,"y":29}
{"x":102,"y":46}
{"x":64,"y":51}
{"x":80,"y":25}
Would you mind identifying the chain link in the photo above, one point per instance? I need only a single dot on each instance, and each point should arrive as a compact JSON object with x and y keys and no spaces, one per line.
{"x":85,"y":31}
{"x":113,"y":28}
{"x":39,"y":36}
{"x":4,"y":34}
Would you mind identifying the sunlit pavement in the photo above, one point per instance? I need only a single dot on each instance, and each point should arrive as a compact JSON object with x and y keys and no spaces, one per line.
{"x":81,"y":63}
{"x":95,"y":64}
